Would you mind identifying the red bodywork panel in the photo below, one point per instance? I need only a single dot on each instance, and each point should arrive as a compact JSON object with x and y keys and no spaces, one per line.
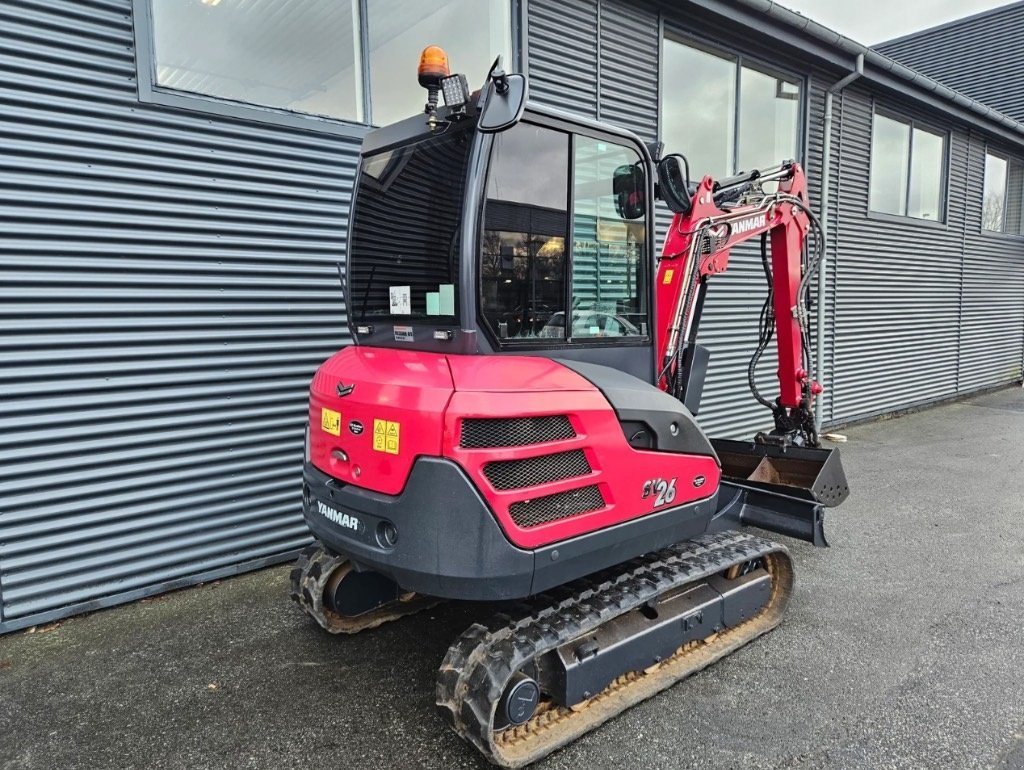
{"x":427,"y":395}
{"x":406,"y":388}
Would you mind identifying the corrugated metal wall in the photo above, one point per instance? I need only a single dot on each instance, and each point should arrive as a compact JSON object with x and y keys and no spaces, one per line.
{"x":167,"y":288}
{"x":897,"y":306}
{"x":991,"y":340}
{"x":630,"y":54}
{"x":562,"y":46}
{"x":923,"y":311}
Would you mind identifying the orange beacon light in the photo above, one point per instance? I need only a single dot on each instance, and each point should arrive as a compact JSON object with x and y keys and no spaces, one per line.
{"x":432,"y":70}
{"x":433,"y":66}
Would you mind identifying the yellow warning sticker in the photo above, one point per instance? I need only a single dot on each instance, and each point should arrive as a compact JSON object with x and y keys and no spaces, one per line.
{"x":668,"y":275}
{"x":330,"y":421}
{"x":386,"y":436}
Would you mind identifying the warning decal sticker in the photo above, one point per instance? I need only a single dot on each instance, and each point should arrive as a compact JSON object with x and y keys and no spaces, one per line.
{"x":401,"y":300}
{"x":330,"y":421}
{"x":386,"y":435}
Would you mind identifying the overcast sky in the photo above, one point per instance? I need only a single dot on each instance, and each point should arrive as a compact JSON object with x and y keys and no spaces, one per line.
{"x":874,"y":21}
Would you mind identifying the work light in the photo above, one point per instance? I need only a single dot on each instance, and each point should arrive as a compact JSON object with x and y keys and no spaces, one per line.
{"x":456,"y":92}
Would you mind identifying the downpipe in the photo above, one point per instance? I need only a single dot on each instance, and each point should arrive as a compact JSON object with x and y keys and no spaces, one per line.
{"x":826,"y":173}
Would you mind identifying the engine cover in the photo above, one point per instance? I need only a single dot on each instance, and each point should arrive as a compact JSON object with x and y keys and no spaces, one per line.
{"x":547,"y":446}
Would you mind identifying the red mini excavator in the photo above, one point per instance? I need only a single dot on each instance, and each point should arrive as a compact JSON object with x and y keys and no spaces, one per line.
{"x":515,"y":422}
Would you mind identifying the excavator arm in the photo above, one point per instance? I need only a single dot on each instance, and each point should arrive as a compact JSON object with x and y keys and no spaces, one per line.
{"x":709,"y":221}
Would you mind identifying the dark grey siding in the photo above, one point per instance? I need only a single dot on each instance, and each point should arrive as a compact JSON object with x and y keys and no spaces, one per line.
{"x":898,"y":290}
{"x":562,"y":44}
{"x":981,"y":56}
{"x":923,"y":311}
{"x":628,"y":85}
{"x":992,"y":300}
{"x":167,"y":288}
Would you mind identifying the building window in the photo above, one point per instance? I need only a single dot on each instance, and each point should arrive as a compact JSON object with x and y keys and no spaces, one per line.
{"x":725,"y":113}
{"x":555,"y":265}
{"x":300,"y":57}
{"x":344,"y":60}
{"x":1003,"y":202}
{"x":769,"y":119}
{"x":908,"y":169}
{"x":472,"y":33}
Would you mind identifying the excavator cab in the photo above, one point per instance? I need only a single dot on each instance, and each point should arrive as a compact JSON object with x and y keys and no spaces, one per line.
{"x":491,"y":226}
{"x":510,"y":242}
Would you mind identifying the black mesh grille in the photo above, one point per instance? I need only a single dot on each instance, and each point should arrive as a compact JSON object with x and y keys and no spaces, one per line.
{"x":517,"y":431}
{"x":562,"y":505}
{"x":517,"y":474}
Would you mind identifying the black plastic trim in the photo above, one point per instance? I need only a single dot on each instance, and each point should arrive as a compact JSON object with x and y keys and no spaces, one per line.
{"x":695,"y":369}
{"x":450,"y":544}
{"x":636,"y":401}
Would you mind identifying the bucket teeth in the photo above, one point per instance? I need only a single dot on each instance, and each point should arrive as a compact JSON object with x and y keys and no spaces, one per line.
{"x":473,"y":677}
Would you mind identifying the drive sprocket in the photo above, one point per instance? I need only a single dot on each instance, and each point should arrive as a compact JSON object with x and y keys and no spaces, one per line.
{"x":318,"y":572}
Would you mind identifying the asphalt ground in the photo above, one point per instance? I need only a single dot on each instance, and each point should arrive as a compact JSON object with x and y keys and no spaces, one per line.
{"x":903,"y":648}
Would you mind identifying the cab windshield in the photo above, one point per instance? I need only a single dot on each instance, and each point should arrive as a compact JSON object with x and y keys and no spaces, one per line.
{"x":404,"y":261}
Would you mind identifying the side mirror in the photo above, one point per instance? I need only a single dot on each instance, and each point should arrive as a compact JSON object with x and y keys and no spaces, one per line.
{"x":673,"y":183}
{"x":630,"y":189}
{"x":504,"y":100}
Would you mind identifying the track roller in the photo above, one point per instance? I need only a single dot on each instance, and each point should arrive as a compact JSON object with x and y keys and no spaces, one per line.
{"x":345,"y":601}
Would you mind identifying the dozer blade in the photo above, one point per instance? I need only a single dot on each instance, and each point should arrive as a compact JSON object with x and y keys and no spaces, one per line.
{"x":524,"y":686}
{"x":780,"y":489}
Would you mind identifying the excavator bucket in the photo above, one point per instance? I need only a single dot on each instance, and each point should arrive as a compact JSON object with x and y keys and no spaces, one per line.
{"x":781,"y":489}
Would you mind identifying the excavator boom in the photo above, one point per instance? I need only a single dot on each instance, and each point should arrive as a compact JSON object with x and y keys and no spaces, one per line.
{"x":717,"y":217}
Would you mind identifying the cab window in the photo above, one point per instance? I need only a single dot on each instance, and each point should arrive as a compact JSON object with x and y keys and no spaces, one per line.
{"x":559,"y":262}
{"x":525,"y":218}
{"x":608,"y":252}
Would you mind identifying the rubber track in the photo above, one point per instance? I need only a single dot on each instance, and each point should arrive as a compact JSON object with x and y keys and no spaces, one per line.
{"x":479,"y":663}
{"x":309,"y":578}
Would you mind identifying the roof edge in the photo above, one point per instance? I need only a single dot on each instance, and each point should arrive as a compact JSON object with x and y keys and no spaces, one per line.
{"x":949,"y":24}
{"x":906,"y":80}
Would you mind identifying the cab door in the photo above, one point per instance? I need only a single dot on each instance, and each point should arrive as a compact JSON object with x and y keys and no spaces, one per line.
{"x":562,"y":272}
